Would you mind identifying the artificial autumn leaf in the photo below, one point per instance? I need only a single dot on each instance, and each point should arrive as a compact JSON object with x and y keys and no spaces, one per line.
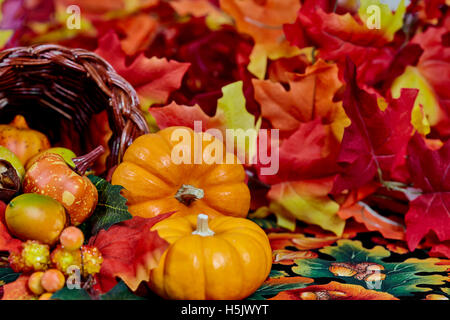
{"x":287,"y":257}
{"x":277,"y":282}
{"x":130,"y":250}
{"x":309,"y":153}
{"x":5,"y":35}
{"x":19,"y":13}
{"x":376,"y":141}
{"x":333,"y":291}
{"x":7,"y":243}
{"x":7,"y":275}
{"x":281,"y":240}
{"x":441,"y":250}
{"x":231,"y":113}
{"x":389,"y":22}
{"x":153,"y":78}
{"x":215,"y":17}
{"x":17,"y":290}
{"x":119,"y":292}
{"x":395,"y":278}
{"x":426,"y":111}
{"x":354,"y":207}
{"x":282,"y":69}
{"x":263,"y":21}
{"x":71,"y":294}
{"x":111,"y":206}
{"x":340,"y":36}
{"x":217,"y":58}
{"x":309,"y":97}
{"x":108,"y":7}
{"x":428,"y":11}
{"x":433,"y":76}
{"x":139,"y":31}
{"x":430,"y":210}
{"x":307,"y":201}
{"x":197,"y":8}
{"x":57,"y":30}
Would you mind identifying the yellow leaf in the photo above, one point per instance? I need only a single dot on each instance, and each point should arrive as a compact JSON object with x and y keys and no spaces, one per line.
{"x":4,"y":37}
{"x":426,"y":111}
{"x":390,"y":22}
{"x":307,"y":201}
{"x":263,"y":21}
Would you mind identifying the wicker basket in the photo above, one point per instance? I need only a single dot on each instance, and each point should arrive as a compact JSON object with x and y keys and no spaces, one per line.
{"x":59,"y":90}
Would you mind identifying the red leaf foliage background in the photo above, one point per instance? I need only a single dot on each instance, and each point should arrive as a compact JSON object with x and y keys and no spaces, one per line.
{"x":365,"y":108}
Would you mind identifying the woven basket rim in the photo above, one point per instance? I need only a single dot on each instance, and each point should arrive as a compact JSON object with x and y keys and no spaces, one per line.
{"x":19,"y":65}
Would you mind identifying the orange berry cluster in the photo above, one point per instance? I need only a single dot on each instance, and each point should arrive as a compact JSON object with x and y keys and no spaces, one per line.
{"x":49,"y":269}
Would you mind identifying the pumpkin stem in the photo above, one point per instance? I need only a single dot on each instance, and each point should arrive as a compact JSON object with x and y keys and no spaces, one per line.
{"x":82,"y":163}
{"x":202,"y":226}
{"x":188,"y":194}
{"x":19,"y":122}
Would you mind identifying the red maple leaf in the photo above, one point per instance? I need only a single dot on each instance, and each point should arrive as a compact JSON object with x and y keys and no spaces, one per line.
{"x":338,"y":36}
{"x":7,"y":243}
{"x":430,"y":172}
{"x":376,"y":140}
{"x":434,"y":65}
{"x":130,"y":250}
{"x":309,"y":153}
{"x":153,"y":78}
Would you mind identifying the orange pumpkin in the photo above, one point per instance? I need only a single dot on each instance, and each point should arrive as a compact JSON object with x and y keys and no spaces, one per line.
{"x":155,"y":184}
{"x":226,"y":260}
{"x":21,"y":140}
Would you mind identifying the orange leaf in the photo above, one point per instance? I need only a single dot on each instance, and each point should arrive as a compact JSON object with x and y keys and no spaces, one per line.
{"x":300,"y":241}
{"x":288,"y":257}
{"x":101,"y":7}
{"x":139,"y":30}
{"x":362,"y":213}
{"x":17,"y":290}
{"x":263,"y":21}
{"x":333,"y":291}
{"x":310,"y":96}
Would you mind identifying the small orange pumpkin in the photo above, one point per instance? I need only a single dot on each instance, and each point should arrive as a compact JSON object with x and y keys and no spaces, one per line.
{"x":226,"y":260}
{"x":21,"y":140}
{"x":155,"y":184}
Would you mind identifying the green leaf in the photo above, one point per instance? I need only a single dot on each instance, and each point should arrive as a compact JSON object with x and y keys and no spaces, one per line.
{"x":120,"y":292}
{"x":7,"y":275}
{"x":111,"y":207}
{"x":401,"y":278}
{"x":71,"y":294}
